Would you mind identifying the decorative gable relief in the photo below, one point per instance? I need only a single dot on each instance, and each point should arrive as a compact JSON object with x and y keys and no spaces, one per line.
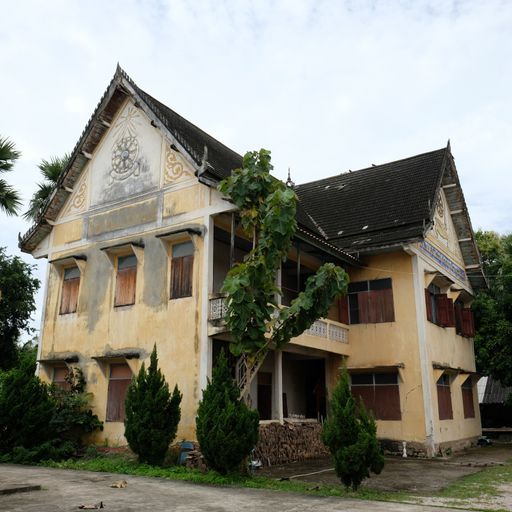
{"x":175,"y":167}
{"x":443,"y":234}
{"x":128,"y":161}
{"x":78,"y":202}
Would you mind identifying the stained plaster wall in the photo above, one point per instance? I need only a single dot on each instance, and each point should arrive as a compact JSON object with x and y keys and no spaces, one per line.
{"x":393,"y":343}
{"x":445,"y":347}
{"x":159,"y":193}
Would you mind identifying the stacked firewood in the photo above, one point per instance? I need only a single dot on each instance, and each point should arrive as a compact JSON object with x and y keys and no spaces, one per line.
{"x":195,"y":460}
{"x":292,"y":441}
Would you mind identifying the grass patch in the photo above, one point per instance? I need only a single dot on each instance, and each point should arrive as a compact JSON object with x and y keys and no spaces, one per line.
{"x":124,"y":464}
{"x":483,"y":484}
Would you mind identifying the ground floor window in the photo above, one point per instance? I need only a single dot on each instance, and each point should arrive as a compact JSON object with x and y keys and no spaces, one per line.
{"x":119,"y":379}
{"x":467,"y":398}
{"x":60,"y":376}
{"x":444,"y":397}
{"x":379,"y":392}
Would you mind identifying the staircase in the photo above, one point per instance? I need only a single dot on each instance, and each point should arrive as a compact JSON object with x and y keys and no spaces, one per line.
{"x":246,"y":369}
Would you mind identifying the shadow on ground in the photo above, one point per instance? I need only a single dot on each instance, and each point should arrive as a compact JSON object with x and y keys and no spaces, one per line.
{"x":423,"y":476}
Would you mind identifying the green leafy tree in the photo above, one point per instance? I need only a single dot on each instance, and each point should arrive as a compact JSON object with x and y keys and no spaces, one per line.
{"x":493,"y":307}
{"x":51,"y":171}
{"x":268,"y":213}
{"x":17,"y":286}
{"x":227,"y":430}
{"x":350,"y":434}
{"x":10,"y":201}
{"x":152,"y":413}
{"x":26,"y":409}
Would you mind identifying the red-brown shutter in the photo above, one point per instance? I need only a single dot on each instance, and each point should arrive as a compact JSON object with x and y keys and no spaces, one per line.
{"x":388,"y":309}
{"x":364,"y":307}
{"x":125,"y":286}
{"x":467,"y":401}
{"x":387,"y":402}
{"x":443,"y":318}
{"x":428,"y":303}
{"x":120,"y":378}
{"x":373,"y":306}
{"x":69,"y":299}
{"x":181,"y":276}
{"x":451,"y":313}
{"x":444,"y":402}
{"x":472,"y":331}
{"x":343,"y":309}
{"x":467,"y":323}
{"x":458,"y":318}
{"x":60,"y":374}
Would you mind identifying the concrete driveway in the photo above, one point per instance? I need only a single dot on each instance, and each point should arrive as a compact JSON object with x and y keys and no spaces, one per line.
{"x":65,"y":490}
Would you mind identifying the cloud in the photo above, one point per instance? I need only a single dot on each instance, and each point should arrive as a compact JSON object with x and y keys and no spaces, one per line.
{"x":326,"y":85}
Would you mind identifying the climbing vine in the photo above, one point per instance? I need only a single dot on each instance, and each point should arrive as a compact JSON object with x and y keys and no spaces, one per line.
{"x":267,"y":212}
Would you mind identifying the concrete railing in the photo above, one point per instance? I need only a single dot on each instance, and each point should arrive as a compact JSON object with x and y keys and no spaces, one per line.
{"x":322,"y":328}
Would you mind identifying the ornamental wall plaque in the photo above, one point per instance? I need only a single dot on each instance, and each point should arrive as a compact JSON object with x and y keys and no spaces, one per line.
{"x":125,"y":151}
{"x":175,"y":167}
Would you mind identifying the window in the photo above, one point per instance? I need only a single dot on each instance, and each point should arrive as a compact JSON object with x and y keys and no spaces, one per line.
{"x":467,"y":398}
{"x":126,"y":280}
{"x":70,"y":286}
{"x":120,"y":378}
{"x":379,"y":392}
{"x":464,"y":321}
{"x":440,"y":310}
{"x":369,"y":302}
{"x":60,"y":375}
{"x":444,"y":398}
{"x":182,"y":264}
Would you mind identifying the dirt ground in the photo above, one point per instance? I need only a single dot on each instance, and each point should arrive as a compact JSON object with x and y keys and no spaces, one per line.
{"x":422,"y":476}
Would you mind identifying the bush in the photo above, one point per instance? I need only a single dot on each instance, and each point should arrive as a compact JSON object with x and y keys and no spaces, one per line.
{"x":26,"y":409}
{"x":350,"y":434}
{"x":72,"y":417}
{"x":40,"y":422}
{"x":226,"y":428}
{"x":152,"y":414}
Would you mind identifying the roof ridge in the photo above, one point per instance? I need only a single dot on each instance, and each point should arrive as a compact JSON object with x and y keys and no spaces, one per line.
{"x":373,"y":167}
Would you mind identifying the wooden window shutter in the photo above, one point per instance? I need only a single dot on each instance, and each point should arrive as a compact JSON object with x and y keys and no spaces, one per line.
{"x":126,"y":281}
{"x":120,"y":379}
{"x":451,"y":313}
{"x":468,"y":323}
{"x":458,"y":318}
{"x":70,"y":287}
{"x":181,"y":276}
{"x":444,"y":401}
{"x":442,"y":310}
{"x":60,"y":374}
{"x":343,"y":309}
{"x":428,"y":303}
{"x":364,"y":307}
{"x":467,"y":399}
{"x":387,"y":306}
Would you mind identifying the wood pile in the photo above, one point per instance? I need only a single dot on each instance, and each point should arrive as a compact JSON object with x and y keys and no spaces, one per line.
{"x":195,"y":460}
{"x":292,"y":441}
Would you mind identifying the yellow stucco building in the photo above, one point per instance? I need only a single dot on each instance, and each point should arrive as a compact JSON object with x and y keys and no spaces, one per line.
{"x":138,"y":241}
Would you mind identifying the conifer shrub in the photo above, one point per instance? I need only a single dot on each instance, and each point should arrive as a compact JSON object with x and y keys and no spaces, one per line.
{"x":350,"y":433}
{"x":26,"y":409}
{"x":40,"y":422}
{"x":152,"y":413}
{"x":227,"y":430}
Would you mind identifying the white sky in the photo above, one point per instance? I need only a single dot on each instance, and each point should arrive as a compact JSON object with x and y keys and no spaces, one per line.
{"x":327,"y":86}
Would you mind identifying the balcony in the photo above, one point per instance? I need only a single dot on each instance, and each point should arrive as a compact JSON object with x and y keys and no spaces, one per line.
{"x":324,"y":334}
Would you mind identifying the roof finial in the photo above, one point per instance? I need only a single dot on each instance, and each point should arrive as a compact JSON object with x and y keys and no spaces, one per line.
{"x":289,"y":182}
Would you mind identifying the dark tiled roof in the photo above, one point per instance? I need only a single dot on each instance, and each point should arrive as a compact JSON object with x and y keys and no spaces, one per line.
{"x":376,"y":206}
{"x":495,"y":393}
{"x":222,"y":160}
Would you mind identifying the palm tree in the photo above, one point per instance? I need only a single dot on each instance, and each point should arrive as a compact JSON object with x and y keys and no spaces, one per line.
{"x":51,"y":170}
{"x":10,"y":200}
